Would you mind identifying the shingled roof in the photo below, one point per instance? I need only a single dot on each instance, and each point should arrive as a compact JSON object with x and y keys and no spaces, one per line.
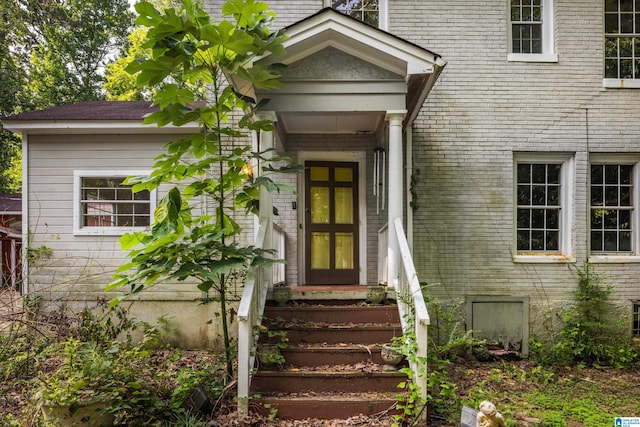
{"x":90,"y":110}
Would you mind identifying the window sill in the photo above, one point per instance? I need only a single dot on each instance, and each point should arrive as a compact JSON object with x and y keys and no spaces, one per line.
{"x":108,"y":231}
{"x":614,"y":259}
{"x":621,"y":83}
{"x":543,"y":258}
{"x":532,"y":57}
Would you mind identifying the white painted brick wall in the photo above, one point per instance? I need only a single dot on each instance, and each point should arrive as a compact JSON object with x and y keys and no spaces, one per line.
{"x":484,"y":109}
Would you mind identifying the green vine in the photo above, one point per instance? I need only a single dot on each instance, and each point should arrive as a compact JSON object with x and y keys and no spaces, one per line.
{"x":413,"y":184}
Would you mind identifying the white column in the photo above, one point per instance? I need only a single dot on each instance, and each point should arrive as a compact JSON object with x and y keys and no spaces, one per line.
{"x":395,"y":203}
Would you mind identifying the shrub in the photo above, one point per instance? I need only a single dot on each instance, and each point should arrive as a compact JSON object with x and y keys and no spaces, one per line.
{"x":592,"y":333}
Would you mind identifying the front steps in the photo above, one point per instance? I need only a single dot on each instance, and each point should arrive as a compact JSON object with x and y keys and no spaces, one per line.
{"x":333,"y":368}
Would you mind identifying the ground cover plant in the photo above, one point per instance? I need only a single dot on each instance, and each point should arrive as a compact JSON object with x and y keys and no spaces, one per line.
{"x":528,"y":394}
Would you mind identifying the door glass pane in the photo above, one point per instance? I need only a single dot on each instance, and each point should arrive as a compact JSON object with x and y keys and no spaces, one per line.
{"x":344,"y":251}
{"x":319,"y":173}
{"x":320,"y":205}
{"x":320,"y":251}
{"x":343,"y":174}
{"x":344,"y":205}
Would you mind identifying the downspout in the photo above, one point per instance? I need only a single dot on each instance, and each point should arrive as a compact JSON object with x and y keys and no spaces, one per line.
{"x":409,"y":174}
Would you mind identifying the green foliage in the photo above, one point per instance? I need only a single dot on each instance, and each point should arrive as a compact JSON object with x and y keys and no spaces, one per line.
{"x":120,"y":85}
{"x":592,"y":333}
{"x":187,"y":51}
{"x":102,"y":324}
{"x":73,"y":46}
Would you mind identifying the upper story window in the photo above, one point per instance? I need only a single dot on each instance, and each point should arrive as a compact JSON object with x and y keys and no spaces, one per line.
{"x":622,"y":43}
{"x":104,"y":205}
{"x":543,"y":207}
{"x":372,"y":12}
{"x":531,"y":31}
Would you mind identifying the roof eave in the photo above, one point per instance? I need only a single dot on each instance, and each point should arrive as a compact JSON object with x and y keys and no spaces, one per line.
{"x":41,"y":127}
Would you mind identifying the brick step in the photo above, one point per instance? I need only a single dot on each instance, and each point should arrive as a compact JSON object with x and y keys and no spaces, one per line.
{"x":319,"y":354}
{"x":326,"y":381}
{"x":326,"y":406}
{"x":337,"y":314}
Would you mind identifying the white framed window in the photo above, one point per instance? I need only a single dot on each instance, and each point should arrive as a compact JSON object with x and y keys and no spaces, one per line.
{"x":622,"y":43}
{"x":103,"y":205}
{"x":613,"y":216}
{"x":372,"y":12}
{"x":544,"y":188}
{"x":531,"y":37}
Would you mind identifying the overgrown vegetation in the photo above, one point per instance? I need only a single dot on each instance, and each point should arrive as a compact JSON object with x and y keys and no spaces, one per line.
{"x":593,"y":332}
{"x":196,"y":237}
{"x":76,"y":359}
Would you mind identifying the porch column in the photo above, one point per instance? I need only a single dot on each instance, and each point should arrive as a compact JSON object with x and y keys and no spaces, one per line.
{"x":266,"y":142}
{"x":394,"y":209}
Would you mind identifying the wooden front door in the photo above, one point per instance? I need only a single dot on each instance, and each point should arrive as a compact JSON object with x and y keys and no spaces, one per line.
{"x":331,"y":223}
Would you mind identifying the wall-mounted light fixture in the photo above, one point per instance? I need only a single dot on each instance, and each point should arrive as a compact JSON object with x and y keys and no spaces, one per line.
{"x":247,"y":170}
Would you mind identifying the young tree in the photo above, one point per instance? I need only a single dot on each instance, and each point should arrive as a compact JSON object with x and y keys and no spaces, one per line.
{"x":188,"y":49}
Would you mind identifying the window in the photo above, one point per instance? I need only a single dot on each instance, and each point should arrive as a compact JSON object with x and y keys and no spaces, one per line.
{"x":539,"y":207}
{"x":622,"y":41}
{"x":531,"y":31}
{"x":611,"y":209}
{"x":371,"y":12}
{"x":104,"y":205}
{"x":543,"y":206}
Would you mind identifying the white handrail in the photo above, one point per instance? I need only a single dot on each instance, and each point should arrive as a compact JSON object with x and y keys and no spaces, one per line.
{"x":409,"y":285}
{"x":279,"y":248}
{"x":250,"y":313}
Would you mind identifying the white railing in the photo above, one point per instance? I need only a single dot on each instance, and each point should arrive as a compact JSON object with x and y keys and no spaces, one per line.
{"x":278,"y":246}
{"x":250,"y":313}
{"x":411,"y":305}
{"x":383,"y":253}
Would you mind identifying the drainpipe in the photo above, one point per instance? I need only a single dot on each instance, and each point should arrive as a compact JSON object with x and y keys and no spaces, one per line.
{"x":395,"y":204}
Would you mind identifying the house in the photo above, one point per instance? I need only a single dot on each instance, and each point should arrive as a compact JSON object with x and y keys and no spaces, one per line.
{"x":10,"y":239}
{"x":504,"y":134}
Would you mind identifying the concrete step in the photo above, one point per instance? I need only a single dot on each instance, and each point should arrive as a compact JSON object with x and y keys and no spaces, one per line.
{"x":298,"y":406}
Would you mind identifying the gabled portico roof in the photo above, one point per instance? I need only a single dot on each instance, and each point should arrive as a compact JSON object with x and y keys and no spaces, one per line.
{"x":331,"y":28}
{"x":416,"y":70}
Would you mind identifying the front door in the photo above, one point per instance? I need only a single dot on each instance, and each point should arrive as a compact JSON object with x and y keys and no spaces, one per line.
{"x":331,"y":223}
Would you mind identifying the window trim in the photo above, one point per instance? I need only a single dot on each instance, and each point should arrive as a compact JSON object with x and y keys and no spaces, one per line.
{"x":616,"y":83}
{"x":620,"y":257}
{"x":548,"y":37}
{"x":565,"y":251}
{"x":383,"y":13}
{"x":79,"y":229}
